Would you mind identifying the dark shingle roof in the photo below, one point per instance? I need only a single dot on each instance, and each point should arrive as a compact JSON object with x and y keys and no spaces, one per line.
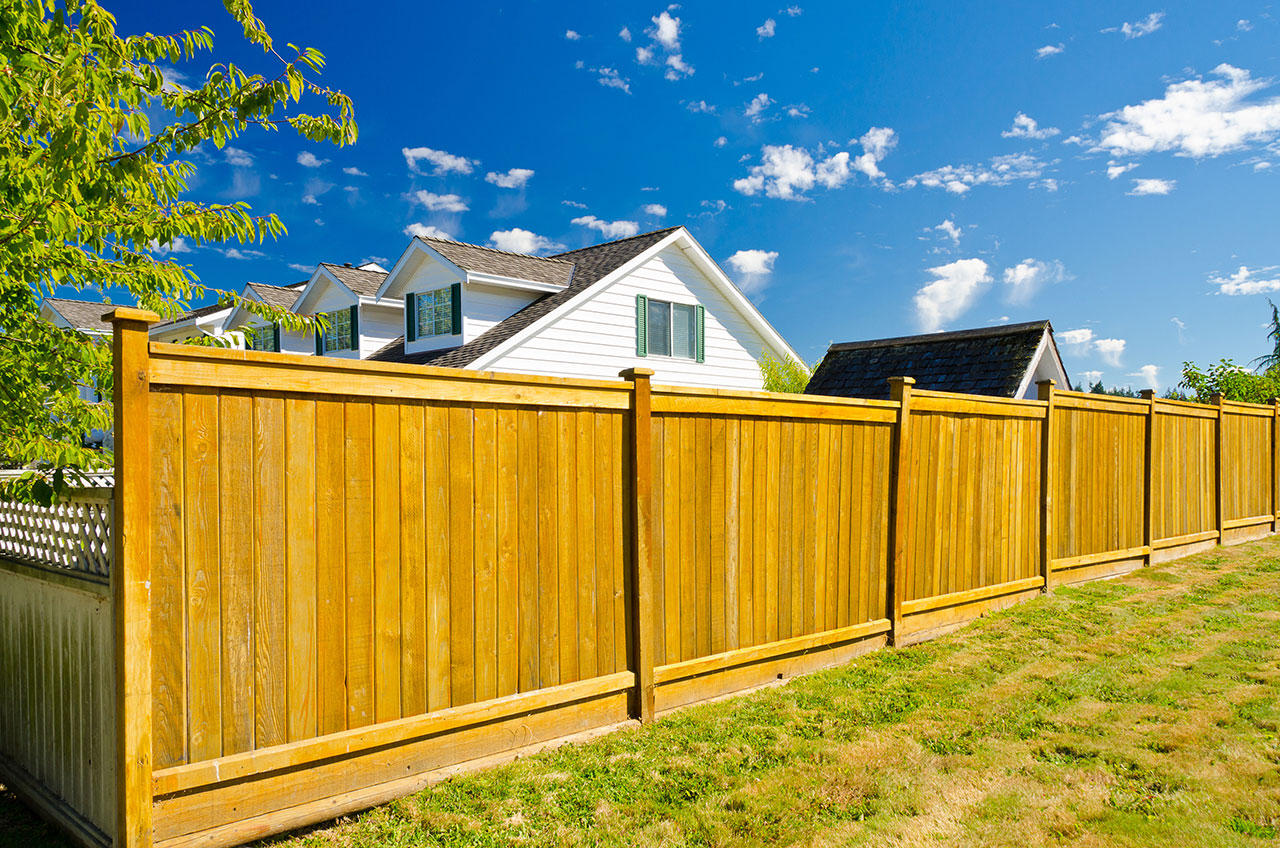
{"x":589,"y":264}
{"x":487,"y":260}
{"x":198,"y":312}
{"x":82,"y":314}
{"x":281,"y":296}
{"x":985,"y":361}
{"x":359,"y":280}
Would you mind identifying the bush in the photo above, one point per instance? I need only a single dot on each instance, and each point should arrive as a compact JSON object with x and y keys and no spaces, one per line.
{"x":789,"y":375}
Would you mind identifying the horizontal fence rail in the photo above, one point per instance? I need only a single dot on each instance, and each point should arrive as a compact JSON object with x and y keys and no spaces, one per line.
{"x":349,"y":579}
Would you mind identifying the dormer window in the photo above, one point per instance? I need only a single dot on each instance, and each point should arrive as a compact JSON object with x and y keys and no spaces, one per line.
{"x":343,"y":332}
{"x":434,"y":313}
{"x":669,"y":329}
{"x":265,"y":338}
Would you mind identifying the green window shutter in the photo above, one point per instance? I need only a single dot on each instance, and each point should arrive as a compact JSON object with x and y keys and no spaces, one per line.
{"x":355,"y":327}
{"x":275,"y":337}
{"x":701,"y":329}
{"x":642,"y":325}
{"x":410,"y":318}
{"x":319,"y":341}
{"x":455,"y":300}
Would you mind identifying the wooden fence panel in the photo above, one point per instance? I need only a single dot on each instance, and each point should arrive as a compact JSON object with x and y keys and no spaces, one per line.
{"x":1098,"y":486}
{"x":1246,"y":463}
{"x":1184,"y":499}
{"x":400,"y":591}
{"x":971,"y":536}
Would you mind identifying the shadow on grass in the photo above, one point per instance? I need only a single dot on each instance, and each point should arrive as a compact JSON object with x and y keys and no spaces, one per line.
{"x":21,"y":828}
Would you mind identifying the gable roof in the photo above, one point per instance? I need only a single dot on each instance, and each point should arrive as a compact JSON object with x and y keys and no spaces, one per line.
{"x":588,"y":266}
{"x":281,"y":296}
{"x":984,"y":361}
{"x":502,"y":263}
{"x":81,"y":314}
{"x":198,"y":312}
{"x":361,"y":281}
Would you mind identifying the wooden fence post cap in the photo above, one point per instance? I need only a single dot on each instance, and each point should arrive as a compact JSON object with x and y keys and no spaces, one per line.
{"x":1148,"y":394}
{"x":1217,"y":398}
{"x":906,"y":381}
{"x":130,"y":313}
{"x":1048,"y":381}
{"x":635,"y":373}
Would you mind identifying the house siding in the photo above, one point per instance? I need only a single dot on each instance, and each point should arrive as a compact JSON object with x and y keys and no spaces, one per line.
{"x":596,"y":338}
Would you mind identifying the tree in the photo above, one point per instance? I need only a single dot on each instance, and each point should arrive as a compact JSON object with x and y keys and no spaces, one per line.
{"x":785,"y":375}
{"x":1271,"y":361}
{"x":95,"y":158}
{"x":1232,"y":381}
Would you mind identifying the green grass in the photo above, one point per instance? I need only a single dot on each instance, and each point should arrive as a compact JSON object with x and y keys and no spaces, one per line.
{"x":1140,"y":711}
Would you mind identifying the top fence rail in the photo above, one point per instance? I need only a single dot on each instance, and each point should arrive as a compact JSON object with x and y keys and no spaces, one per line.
{"x":73,"y":535}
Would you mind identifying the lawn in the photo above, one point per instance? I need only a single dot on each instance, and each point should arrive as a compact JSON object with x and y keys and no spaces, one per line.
{"x":1139,"y":711}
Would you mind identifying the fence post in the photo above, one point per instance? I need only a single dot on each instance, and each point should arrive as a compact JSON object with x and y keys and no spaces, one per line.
{"x":1149,"y":485}
{"x":900,"y":391}
{"x":642,"y":561}
{"x":1275,"y":471}
{"x":1045,"y":391}
{"x":1219,"y":493}
{"x":131,"y":573}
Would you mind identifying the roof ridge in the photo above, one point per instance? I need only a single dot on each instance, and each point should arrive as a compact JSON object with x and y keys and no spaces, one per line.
{"x":930,"y":338}
{"x":618,"y":241}
{"x":344,"y":266}
{"x":551,"y":258}
{"x":73,"y":300}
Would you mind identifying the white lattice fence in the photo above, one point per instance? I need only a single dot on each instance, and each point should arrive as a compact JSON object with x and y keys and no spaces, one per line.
{"x":74,"y":534}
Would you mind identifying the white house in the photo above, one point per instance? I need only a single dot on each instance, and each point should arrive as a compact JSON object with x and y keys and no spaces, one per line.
{"x":203,"y":321}
{"x":360,"y":323}
{"x":270,"y":337}
{"x":655,"y":300}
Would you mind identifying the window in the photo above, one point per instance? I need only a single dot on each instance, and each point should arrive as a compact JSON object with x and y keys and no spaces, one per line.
{"x":266,"y":338}
{"x":338,"y":336}
{"x":669,"y":329}
{"x":435,"y":313}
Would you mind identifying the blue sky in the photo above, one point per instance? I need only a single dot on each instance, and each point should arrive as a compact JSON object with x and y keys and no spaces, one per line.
{"x":862,"y":170}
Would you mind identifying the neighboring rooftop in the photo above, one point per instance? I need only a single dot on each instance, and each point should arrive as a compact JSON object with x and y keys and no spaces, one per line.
{"x":81,"y":314}
{"x":502,"y":263}
{"x":363,"y":281}
{"x":984,"y":361}
{"x":281,"y":296}
{"x":587,"y":266}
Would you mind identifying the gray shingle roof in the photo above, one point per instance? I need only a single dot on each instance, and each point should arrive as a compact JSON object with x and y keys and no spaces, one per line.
{"x":82,"y":314}
{"x":589,"y":266}
{"x":984,"y":361}
{"x":362,"y":282}
{"x":487,"y":260}
{"x":281,"y":296}
{"x":198,"y":312}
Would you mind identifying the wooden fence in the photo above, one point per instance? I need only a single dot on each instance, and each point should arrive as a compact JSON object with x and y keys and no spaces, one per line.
{"x":336,"y":581}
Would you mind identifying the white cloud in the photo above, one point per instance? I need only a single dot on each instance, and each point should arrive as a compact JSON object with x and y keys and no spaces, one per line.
{"x":666,"y":31}
{"x":721,"y":141}
{"x":1090,"y":377}
{"x":1001,"y":170}
{"x":178,"y":245}
{"x":1142,"y":187}
{"x":438,"y":202}
{"x":950,"y":230}
{"x":876,"y":144}
{"x":792,"y":11}
{"x":236,"y":253}
{"x":1115,"y":169}
{"x":787,"y":172}
{"x":608,"y":229}
{"x":753,"y":268}
{"x":624,"y":34}
{"x":1243,"y":25}
{"x":237,"y":158}
{"x":767,"y":29}
{"x":1029,"y":276}
{"x":514,"y":178}
{"x":1196,"y":118}
{"x":757,"y":106}
{"x":610,"y":78}
{"x":302,"y":269}
{"x":833,"y":171}
{"x":700,"y":106}
{"x":1050,"y":50}
{"x":677,"y":67}
{"x":956,"y":287}
{"x":799,"y":110}
{"x":445,"y":163}
{"x":571,"y":35}
{"x":1150,"y":375}
{"x":1075,"y":337}
{"x":1110,"y":350}
{"x":354,"y":172}
{"x":1137,"y":29}
{"x":307,"y":159}
{"x":575,"y":204}
{"x":1024,"y":126}
{"x":310,"y":200}
{"x":644,"y":55}
{"x":713,"y":207}
{"x":517,"y":240}
{"x":1248,"y":281}
{"x":1177,"y":322}
{"x":426,"y":231}
{"x":655,"y":210}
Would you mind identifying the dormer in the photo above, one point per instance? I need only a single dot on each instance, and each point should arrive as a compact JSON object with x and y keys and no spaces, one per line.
{"x":265,"y":336}
{"x":360,"y":323}
{"x":452,"y":292}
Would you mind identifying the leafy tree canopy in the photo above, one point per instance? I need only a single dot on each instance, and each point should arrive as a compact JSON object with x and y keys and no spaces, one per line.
{"x":1232,"y":381}
{"x":786,"y":375}
{"x":95,"y":159}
